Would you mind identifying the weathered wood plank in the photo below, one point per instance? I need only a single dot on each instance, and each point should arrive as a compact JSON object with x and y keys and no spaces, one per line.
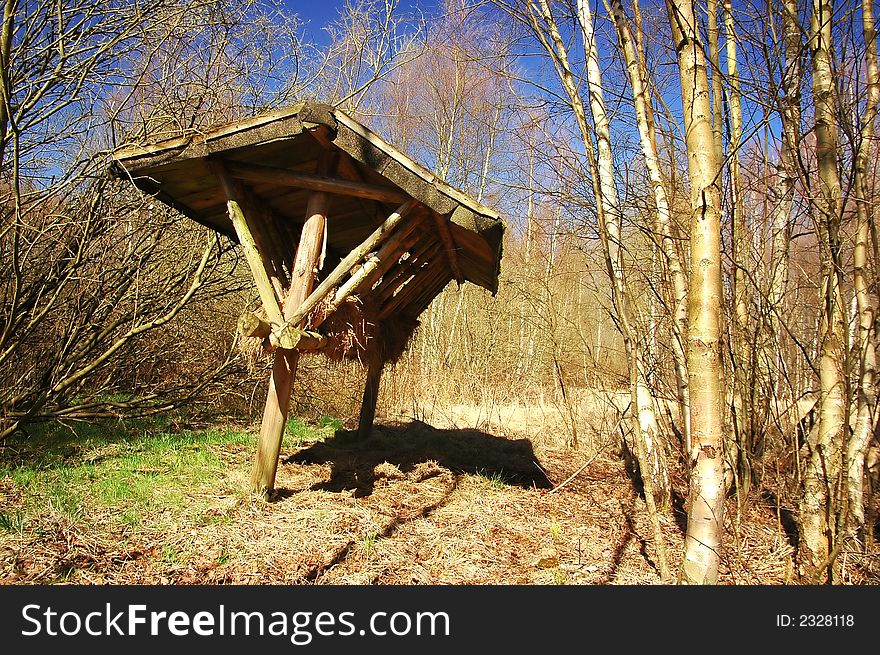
{"x":258,"y":173}
{"x":449,"y":246}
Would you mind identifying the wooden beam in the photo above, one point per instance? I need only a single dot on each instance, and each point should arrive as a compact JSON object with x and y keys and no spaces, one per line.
{"x":347,"y":167}
{"x":265,"y":229}
{"x":252,"y":326}
{"x":338,"y":186}
{"x":353,"y":258}
{"x":449,"y":243}
{"x":252,"y":254}
{"x":284,"y":366}
{"x":371,"y":396}
{"x":373,"y":268}
{"x":390,"y":303}
{"x":293,"y":338}
{"x":285,"y":336}
{"x":376,"y":265}
{"x":431,"y":279}
{"x":411,"y":266}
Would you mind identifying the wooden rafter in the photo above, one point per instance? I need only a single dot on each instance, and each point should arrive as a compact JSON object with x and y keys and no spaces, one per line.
{"x":400,"y":275}
{"x":346,"y":166}
{"x":449,"y":245}
{"x":284,"y":177}
{"x":374,"y":267}
{"x":351,"y":260}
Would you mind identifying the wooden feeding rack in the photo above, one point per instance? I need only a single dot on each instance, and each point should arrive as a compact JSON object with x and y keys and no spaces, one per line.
{"x":348,"y":240}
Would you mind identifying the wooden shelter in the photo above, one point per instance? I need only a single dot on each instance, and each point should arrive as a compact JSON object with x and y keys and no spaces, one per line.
{"x":348,"y":240}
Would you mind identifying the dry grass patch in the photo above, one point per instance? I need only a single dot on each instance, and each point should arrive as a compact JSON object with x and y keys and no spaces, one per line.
{"x":413,"y":504}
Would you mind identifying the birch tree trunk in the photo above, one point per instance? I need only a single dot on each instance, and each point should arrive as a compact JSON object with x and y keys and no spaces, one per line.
{"x":744,"y":387}
{"x":790,"y":114}
{"x":648,"y":448}
{"x":674,"y":268}
{"x":823,"y":463}
{"x":648,"y":429}
{"x":715,"y":79}
{"x":706,"y":497}
{"x":866,"y":397}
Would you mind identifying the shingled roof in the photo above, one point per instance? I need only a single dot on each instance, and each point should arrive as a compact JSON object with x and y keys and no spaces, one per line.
{"x":278,"y":156}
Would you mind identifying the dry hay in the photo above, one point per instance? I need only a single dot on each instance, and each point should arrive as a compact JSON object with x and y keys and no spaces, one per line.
{"x":354,"y":333}
{"x":357,"y":334}
{"x":374,"y":512}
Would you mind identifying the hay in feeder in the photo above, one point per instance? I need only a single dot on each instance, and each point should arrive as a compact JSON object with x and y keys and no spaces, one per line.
{"x":354,"y":333}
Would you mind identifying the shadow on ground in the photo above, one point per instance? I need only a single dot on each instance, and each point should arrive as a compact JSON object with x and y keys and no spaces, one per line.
{"x":353,"y":460}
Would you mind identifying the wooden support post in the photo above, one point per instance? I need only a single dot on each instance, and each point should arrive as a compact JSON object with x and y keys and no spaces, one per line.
{"x":284,"y":367}
{"x":371,"y":396}
{"x":354,"y":257}
{"x":252,"y":254}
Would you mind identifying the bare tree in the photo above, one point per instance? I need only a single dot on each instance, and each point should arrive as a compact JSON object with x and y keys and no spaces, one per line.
{"x":93,"y":271}
{"x":866,"y":293}
{"x":706,"y":498}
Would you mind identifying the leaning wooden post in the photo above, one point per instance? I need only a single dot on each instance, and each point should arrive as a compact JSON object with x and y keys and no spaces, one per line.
{"x":284,"y":366}
{"x":253,"y":256}
{"x":371,"y":396}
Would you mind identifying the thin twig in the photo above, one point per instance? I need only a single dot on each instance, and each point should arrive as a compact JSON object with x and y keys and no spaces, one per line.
{"x":575,"y":474}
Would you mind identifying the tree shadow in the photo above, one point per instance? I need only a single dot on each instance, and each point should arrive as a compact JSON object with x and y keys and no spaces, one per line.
{"x":633,"y":472}
{"x":679,"y":510}
{"x":787,"y":518}
{"x":510,"y":461}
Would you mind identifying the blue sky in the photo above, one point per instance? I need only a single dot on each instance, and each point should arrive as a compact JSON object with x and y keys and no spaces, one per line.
{"x":318,"y":13}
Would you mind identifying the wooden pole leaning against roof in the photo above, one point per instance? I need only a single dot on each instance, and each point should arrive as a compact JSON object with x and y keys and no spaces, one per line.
{"x":394,"y":243}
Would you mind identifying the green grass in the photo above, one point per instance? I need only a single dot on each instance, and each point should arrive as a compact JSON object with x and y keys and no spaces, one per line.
{"x":132,"y":480}
{"x":300,"y":433}
{"x":11,"y":522}
{"x":494,"y":479}
{"x":368,"y":543}
{"x":132,"y":469}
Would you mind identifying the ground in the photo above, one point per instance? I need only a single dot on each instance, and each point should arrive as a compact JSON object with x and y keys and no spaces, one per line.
{"x":414,"y":504}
